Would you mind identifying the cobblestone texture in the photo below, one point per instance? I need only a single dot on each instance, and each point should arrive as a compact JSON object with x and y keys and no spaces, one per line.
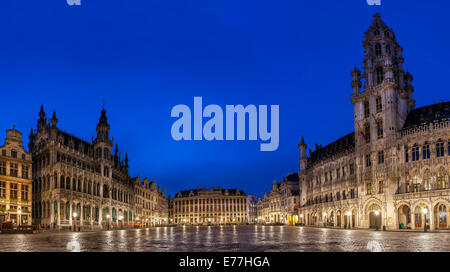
{"x":228,"y":238}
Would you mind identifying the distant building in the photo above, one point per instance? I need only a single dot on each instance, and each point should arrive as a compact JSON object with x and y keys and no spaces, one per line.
{"x":150,"y":203}
{"x":252,"y":209}
{"x":393,"y":170}
{"x":15,"y":180}
{"x":214,"y":206}
{"x":281,"y":204}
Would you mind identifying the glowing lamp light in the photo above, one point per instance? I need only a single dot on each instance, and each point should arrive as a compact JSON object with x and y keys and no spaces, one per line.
{"x":425,"y":211}
{"x":75,"y":214}
{"x":107,"y":216}
{"x":349,"y":213}
{"x":19,"y":212}
{"x":377,"y":213}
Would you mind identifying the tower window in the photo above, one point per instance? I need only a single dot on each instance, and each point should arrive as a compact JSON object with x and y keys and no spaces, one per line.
{"x":368,"y":162}
{"x":379,"y":75}
{"x":366,"y":109}
{"x":367,"y":133}
{"x":378,"y":49}
{"x":388,"y":49}
{"x":381,"y":157}
{"x":379,"y":105}
{"x":380,"y":129}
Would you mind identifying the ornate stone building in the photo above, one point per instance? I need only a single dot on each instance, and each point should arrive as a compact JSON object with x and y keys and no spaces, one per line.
{"x":213,"y":206}
{"x":15,"y":180}
{"x":393,"y":171}
{"x":252,"y":209}
{"x":78,"y":184}
{"x":281,"y":204}
{"x":150,"y":203}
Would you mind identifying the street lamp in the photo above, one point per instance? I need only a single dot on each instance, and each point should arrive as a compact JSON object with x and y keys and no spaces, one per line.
{"x":425,"y":211}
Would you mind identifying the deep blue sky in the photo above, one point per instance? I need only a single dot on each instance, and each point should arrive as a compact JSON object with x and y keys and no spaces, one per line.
{"x":144,"y":57}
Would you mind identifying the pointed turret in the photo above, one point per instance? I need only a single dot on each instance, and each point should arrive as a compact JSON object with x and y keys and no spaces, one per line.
{"x":54,"y":120}
{"x":42,"y":122}
{"x":303,"y":157}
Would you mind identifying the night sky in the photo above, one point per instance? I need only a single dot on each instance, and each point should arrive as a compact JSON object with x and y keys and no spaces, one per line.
{"x":144,"y":57}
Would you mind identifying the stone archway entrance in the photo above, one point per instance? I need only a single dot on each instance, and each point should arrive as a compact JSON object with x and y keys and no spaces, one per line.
{"x":440,"y":215}
{"x":338,"y":218}
{"x":374,"y":212}
{"x":404,"y":217}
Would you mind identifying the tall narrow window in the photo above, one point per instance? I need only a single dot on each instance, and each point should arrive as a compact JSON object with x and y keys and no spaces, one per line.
{"x":2,"y":168}
{"x":381,"y":157}
{"x":440,"y":148}
{"x":379,"y":105}
{"x":369,"y":188}
{"x":381,"y":186}
{"x":426,"y":151}
{"x":24,"y":192}
{"x":441,"y":178}
{"x":14,"y":170}
{"x":13,"y":190}
{"x":366,"y":109}
{"x":388,"y":49}
{"x":2,"y":189}
{"x":380,"y":75}
{"x":415,"y":153}
{"x":367,"y":133}
{"x":24,"y":171}
{"x":378,"y":49}
{"x":380,"y":131}
{"x":368,"y":162}
{"x":406,"y":154}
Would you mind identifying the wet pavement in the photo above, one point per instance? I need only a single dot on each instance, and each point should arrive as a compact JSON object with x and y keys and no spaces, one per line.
{"x":228,"y":238}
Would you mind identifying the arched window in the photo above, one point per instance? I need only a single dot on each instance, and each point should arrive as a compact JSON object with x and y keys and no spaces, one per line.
{"x":379,"y":75}
{"x":378,"y":49}
{"x":442,"y":215}
{"x":426,"y":151}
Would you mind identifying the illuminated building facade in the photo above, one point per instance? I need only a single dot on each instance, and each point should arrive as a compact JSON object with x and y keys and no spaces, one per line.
{"x":78,"y":184}
{"x":393,"y":171}
{"x":281,"y":204}
{"x":214,"y":206}
{"x":150,"y":203}
{"x":15,"y":181}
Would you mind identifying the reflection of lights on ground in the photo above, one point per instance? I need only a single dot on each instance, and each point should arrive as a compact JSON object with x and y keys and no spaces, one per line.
{"x":374,"y":246}
{"x":74,"y":244}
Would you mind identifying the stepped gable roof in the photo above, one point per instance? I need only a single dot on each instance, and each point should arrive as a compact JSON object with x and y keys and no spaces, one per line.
{"x":322,"y":153}
{"x":429,"y":114}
